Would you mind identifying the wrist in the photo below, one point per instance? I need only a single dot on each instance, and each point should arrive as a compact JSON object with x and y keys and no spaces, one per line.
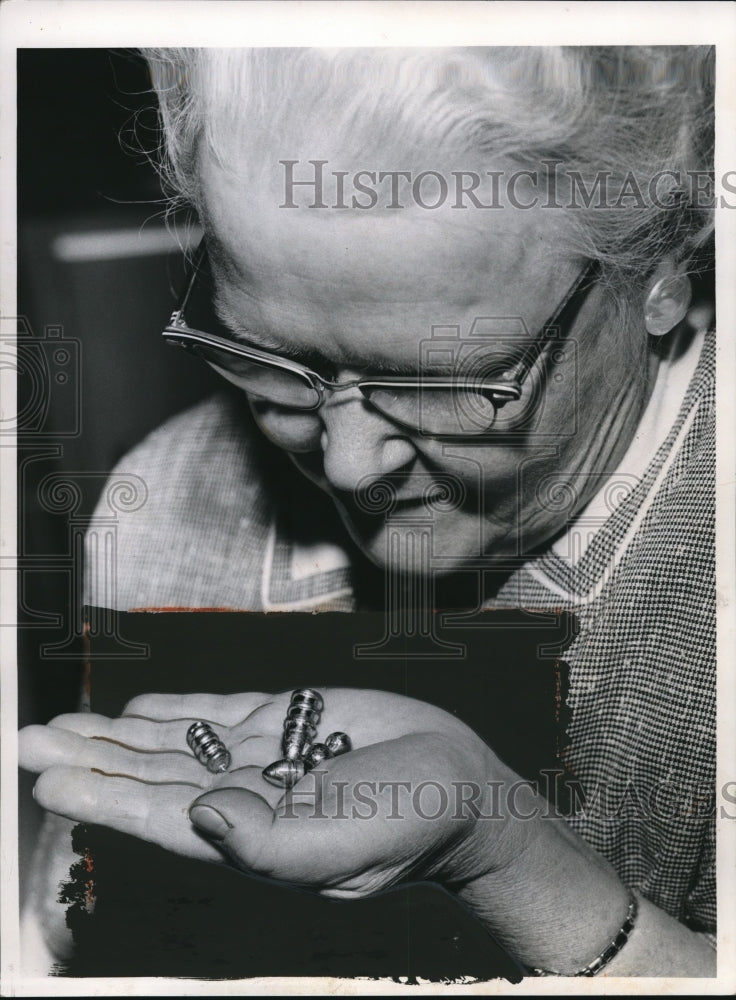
{"x":546,"y":895}
{"x":609,"y":953}
{"x":561,"y":905}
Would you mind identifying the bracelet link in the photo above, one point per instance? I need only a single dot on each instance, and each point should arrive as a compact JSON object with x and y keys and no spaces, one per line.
{"x":609,"y":953}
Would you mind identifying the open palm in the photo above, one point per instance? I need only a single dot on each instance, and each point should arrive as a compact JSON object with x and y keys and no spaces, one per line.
{"x":393,"y":808}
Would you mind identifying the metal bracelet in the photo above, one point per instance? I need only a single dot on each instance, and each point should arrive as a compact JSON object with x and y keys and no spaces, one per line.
{"x":609,"y":953}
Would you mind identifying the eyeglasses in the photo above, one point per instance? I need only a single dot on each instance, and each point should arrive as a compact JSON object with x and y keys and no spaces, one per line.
{"x":436,"y":406}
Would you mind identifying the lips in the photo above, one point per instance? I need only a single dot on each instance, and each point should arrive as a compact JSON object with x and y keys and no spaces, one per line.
{"x":378,"y":498}
{"x":379,"y":506}
{"x":377,"y":493}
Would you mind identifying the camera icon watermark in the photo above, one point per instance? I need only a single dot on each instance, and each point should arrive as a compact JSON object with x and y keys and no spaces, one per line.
{"x":48,"y":371}
{"x":501,"y":379}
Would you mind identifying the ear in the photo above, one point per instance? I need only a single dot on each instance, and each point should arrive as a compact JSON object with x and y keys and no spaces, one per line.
{"x":667,"y":299}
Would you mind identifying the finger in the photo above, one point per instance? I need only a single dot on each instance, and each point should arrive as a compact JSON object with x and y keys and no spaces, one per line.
{"x":145,"y":733}
{"x":273,"y":832}
{"x":155,"y":813}
{"x":291,"y":845}
{"x":123,"y":749}
{"x":239,"y":822}
{"x":135,"y":733}
{"x":41,"y":747}
{"x":85,"y":723}
{"x":132,"y":732}
{"x":223,"y":710}
{"x":246,"y":774}
{"x":250,"y":779}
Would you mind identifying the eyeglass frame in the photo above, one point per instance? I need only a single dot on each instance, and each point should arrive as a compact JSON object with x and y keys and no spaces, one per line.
{"x":178,"y":333}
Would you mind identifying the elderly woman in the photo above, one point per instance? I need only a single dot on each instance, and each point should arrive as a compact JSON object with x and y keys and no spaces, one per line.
{"x":465,"y":276}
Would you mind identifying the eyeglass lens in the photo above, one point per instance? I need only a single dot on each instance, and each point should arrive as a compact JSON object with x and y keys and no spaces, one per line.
{"x":275,"y":385}
{"x":460,"y":410}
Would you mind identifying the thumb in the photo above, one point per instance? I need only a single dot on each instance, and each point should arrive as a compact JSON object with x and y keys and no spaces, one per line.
{"x":239,"y":822}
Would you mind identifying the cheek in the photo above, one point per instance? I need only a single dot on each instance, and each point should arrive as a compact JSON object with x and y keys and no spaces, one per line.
{"x":288,"y":429}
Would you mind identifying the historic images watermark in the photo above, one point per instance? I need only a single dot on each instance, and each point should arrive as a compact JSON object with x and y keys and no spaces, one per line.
{"x":551,"y":187}
{"x":326,"y":797}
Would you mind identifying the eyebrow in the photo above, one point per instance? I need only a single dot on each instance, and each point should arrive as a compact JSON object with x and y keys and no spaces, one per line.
{"x":243,"y":334}
{"x":309,"y":358}
{"x":318,"y":361}
{"x":271,"y":345}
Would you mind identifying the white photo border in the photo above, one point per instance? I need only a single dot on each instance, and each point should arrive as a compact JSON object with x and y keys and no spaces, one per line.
{"x":143,"y":23}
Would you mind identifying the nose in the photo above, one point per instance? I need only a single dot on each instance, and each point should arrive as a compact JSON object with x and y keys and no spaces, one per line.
{"x":358,"y":442}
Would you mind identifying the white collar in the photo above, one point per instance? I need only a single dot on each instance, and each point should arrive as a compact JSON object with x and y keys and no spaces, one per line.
{"x":674,"y":375}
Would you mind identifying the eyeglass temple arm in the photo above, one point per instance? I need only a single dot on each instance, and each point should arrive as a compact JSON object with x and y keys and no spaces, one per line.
{"x":546,"y":337}
{"x":200,"y":255}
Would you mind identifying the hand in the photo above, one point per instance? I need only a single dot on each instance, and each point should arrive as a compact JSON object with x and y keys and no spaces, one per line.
{"x":337,"y":831}
{"x":549,"y":898}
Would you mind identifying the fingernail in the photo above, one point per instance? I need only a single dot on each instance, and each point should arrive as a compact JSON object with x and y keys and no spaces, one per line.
{"x":210,"y":822}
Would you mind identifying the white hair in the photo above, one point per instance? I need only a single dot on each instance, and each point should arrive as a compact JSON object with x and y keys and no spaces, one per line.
{"x":629,"y":111}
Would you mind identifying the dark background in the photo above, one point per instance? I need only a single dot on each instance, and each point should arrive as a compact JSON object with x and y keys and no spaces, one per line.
{"x":158,"y":915}
{"x":93,"y":376}
{"x":81,"y":116}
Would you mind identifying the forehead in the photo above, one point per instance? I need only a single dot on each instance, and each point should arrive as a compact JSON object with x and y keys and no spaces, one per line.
{"x":344,"y":275}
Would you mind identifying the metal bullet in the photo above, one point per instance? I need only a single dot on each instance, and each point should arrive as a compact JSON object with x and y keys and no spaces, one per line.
{"x":317,"y":753}
{"x":300,"y":725}
{"x":284,"y":773}
{"x":338,"y":743}
{"x":296,"y":738}
{"x":208,"y":748}
{"x":307,"y":696}
{"x":303,"y":713}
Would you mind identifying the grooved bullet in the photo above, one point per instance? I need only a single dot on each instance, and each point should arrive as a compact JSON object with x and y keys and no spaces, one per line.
{"x":208,"y":748}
